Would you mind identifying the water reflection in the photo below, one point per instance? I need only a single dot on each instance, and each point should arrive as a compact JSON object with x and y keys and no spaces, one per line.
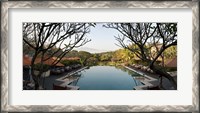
{"x":106,"y":78}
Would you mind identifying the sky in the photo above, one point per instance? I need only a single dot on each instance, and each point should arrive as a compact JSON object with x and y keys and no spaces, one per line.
{"x":102,"y":40}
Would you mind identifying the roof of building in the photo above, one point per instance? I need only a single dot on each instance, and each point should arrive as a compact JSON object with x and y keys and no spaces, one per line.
{"x":172,"y":62}
{"x":50,"y":61}
{"x":71,"y":58}
{"x":26,"y":60}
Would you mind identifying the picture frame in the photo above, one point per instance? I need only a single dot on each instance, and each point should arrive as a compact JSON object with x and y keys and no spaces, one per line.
{"x":6,"y":5}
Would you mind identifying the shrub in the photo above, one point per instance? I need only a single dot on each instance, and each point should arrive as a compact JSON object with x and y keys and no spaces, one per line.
{"x":170,"y":69}
{"x":40,"y":66}
{"x":70,"y":62}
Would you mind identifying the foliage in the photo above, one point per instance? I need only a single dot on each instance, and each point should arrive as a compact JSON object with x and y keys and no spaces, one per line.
{"x":116,"y":57}
{"x":170,"y":69}
{"x":92,"y":61}
{"x":106,"y":56}
{"x":123,"y":56}
{"x":42,"y":67}
{"x":70,"y":62}
{"x":72,"y":53}
{"x":170,"y":52}
{"x":45,"y":38}
{"x":84,"y":56}
{"x":145,"y":37}
{"x":97,"y":56}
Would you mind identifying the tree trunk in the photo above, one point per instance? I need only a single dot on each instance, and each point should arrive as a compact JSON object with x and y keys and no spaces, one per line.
{"x":160,"y":71}
{"x":37,"y":85}
{"x":35,"y":77}
{"x":163,"y":60}
{"x":165,"y":74}
{"x":160,"y":82}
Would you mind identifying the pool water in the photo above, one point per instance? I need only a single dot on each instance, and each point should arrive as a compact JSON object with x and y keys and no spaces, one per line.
{"x":106,"y":78}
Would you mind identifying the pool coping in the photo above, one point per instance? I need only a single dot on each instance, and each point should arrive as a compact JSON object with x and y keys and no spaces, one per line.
{"x":65,"y":82}
{"x":150,"y":82}
{"x":71,"y":73}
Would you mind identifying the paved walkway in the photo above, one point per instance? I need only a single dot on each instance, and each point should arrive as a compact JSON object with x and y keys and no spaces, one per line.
{"x":48,"y":81}
{"x":154,"y":79}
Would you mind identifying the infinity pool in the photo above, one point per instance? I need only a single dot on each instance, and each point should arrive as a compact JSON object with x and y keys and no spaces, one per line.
{"x":106,"y":78}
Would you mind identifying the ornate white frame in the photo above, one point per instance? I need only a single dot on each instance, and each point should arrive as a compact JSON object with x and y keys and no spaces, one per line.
{"x":98,"y":4}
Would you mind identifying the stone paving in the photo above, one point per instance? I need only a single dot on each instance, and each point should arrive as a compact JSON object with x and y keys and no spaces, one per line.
{"x":49,"y":81}
{"x":153,"y":80}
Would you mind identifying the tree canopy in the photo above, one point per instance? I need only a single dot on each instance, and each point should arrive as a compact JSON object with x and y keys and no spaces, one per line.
{"x":53,"y":39}
{"x":145,"y":36}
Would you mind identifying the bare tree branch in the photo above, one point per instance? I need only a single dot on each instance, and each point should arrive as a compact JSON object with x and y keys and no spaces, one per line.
{"x":147,"y":36}
{"x":49,"y":35}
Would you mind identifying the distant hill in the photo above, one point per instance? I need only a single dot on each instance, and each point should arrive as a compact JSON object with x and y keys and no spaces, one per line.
{"x":92,"y":50}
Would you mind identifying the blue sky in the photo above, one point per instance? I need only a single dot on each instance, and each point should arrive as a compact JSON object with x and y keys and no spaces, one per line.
{"x":102,"y":40}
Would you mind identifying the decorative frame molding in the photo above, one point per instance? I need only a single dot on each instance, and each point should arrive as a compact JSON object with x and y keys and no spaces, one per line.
{"x":98,"y":4}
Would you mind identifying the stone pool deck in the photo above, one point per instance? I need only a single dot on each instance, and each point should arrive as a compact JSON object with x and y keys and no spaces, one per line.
{"x":63,"y":79}
{"x":152,"y":80}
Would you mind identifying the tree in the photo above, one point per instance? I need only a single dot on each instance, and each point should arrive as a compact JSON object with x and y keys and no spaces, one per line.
{"x":84,"y":56}
{"x":170,"y":52}
{"x":72,"y":53}
{"x":106,"y":56}
{"x":92,"y":61}
{"x":42,"y":37}
{"x":122,"y":55}
{"x":145,"y":36}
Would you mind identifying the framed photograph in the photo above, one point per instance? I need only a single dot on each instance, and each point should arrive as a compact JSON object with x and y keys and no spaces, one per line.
{"x":108,"y":56}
